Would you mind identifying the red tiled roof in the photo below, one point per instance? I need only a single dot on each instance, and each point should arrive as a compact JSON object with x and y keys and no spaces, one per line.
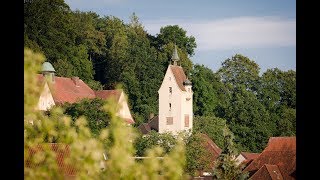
{"x":212,"y":147}
{"x":246,"y":163}
{"x":62,"y":152}
{"x":106,"y":94}
{"x":179,"y":76}
{"x":249,"y":155}
{"x":267,"y":171}
{"x":65,"y":90}
{"x":280,"y":151}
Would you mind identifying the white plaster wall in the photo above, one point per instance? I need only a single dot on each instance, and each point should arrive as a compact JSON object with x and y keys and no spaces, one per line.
{"x":187,"y":108}
{"x":240,"y":159}
{"x":124,"y":110}
{"x":176,"y":104}
{"x":46,"y":100}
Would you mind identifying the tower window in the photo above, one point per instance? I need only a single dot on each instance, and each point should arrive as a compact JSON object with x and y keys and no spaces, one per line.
{"x":169,"y":106}
{"x":169,"y":120}
{"x":170,"y":90}
{"x":186,"y":120}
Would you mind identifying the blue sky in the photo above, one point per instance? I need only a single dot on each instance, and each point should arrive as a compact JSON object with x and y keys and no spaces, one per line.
{"x":264,"y":31}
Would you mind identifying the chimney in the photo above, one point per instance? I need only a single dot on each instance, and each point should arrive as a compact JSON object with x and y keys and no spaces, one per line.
{"x":76,"y":81}
{"x":151,"y":115}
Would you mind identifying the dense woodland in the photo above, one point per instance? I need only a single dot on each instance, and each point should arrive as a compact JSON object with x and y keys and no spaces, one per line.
{"x":106,"y":52}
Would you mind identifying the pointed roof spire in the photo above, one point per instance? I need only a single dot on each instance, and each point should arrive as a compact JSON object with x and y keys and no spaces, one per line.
{"x":175,"y":56}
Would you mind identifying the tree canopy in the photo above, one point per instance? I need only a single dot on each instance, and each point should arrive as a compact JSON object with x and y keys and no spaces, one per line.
{"x":92,"y":109}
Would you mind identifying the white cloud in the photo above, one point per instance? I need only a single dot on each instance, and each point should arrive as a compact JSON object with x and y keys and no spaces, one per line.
{"x":239,"y":32}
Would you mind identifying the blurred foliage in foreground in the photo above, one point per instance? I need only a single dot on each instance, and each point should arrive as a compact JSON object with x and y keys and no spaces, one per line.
{"x":86,"y":152}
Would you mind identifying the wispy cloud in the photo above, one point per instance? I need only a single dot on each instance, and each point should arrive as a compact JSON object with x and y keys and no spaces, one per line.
{"x":239,"y":32}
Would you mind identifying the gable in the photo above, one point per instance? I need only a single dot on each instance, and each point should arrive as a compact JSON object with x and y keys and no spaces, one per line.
{"x":124,"y":110}
{"x":45,"y":100}
{"x":177,"y":75}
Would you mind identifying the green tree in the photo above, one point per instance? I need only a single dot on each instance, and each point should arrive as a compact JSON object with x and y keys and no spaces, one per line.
{"x":225,"y":167}
{"x":117,"y":46}
{"x":277,"y":91}
{"x":198,"y":157}
{"x":142,"y":73}
{"x":164,"y":140}
{"x":249,"y":120}
{"x":211,"y":126}
{"x":286,"y":124}
{"x":92,"y":109}
{"x":247,"y":117}
{"x":240,"y":70}
{"x":205,"y":85}
{"x":86,"y":32}
{"x":48,"y":24}
{"x":177,"y":35}
{"x":95,"y":85}
{"x":51,"y":25}
{"x":63,"y":68}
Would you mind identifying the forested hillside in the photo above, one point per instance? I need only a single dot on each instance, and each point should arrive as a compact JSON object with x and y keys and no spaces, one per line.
{"x":106,"y":51}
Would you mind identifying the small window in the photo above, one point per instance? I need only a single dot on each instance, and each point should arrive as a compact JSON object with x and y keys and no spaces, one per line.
{"x":169,"y":106}
{"x":169,"y":78}
{"x":169,"y":120}
{"x":170,"y":90}
{"x":186,"y":120}
{"x":189,"y":89}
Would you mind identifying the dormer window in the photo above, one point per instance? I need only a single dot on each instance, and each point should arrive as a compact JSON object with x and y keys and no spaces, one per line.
{"x":170,"y":90}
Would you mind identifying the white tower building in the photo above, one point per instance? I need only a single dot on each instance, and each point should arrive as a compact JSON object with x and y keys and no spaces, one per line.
{"x":175,"y":99}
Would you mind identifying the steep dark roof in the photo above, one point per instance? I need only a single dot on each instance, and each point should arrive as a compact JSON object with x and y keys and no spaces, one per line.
{"x":280,"y":151}
{"x":154,"y":123}
{"x":144,"y":128}
{"x":179,"y":75}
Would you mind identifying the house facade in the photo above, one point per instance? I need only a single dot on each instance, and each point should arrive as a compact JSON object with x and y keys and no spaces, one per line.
{"x":60,"y":90}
